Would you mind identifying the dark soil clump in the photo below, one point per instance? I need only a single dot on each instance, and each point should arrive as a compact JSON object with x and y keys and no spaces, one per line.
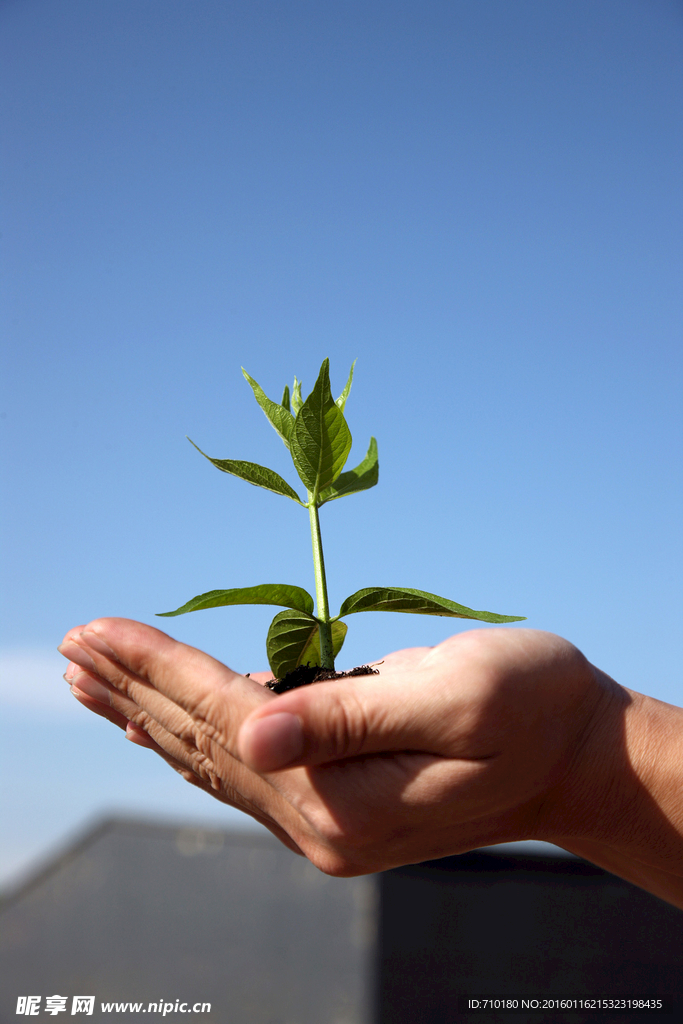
{"x":304,"y":675}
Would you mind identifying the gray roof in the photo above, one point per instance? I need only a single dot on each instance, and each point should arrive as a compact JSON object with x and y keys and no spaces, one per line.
{"x":141,"y":912}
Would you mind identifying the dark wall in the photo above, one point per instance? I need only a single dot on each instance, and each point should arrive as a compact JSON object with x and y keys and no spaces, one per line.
{"x":483,"y":923}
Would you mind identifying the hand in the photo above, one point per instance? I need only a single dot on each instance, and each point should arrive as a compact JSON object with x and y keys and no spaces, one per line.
{"x":476,"y":741}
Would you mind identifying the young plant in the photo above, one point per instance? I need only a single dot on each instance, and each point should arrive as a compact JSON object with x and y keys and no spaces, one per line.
{"x":319,"y":441}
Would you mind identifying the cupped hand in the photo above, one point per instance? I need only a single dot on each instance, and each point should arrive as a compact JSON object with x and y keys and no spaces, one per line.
{"x":466,"y":744}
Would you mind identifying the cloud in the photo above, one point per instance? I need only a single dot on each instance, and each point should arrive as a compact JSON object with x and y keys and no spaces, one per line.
{"x":31,"y":680}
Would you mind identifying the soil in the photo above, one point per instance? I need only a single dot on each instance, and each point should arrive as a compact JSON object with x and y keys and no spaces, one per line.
{"x":304,"y":675}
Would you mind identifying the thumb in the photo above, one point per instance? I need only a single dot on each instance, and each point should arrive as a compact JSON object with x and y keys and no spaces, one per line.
{"x":331,"y":721}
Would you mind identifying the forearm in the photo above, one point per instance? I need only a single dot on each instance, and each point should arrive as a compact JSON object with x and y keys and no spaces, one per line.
{"x":623,"y":810}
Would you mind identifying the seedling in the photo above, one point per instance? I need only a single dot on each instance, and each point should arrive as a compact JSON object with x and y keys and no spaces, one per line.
{"x":318,"y":439}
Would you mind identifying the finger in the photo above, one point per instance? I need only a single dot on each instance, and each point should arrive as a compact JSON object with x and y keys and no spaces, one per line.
{"x":142,"y":663}
{"x":158,"y":709}
{"x":98,"y":708}
{"x":192,"y":754}
{"x":260,"y":677}
{"x":193,"y":766}
{"x":94,"y":694}
{"x":102,"y":698}
{"x":473,"y":696}
{"x":142,"y":728}
{"x":235,"y":785}
{"x":335,"y":720}
{"x":137,"y":735}
{"x":186,"y":767}
{"x":121,"y":697}
{"x":84,"y":682}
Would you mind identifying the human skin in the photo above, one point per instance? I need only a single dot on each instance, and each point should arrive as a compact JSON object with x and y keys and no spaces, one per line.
{"x":492,"y":736}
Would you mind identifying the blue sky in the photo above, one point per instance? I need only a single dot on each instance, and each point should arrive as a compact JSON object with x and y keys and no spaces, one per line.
{"x":480,"y":201}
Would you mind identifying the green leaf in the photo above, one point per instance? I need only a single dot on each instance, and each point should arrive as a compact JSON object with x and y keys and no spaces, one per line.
{"x":278,"y":416}
{"x":288,"y":636}
{"x":365,"y":475}
{"x":402,"y":599}
{"x":297,"y":400}
{"x":293,"y":640}
{"x":321,"y":440}
{"x":285,"y":399}
{"x":267,"y":593}
{"x":341,"y":401}
{"x":260,"y":476}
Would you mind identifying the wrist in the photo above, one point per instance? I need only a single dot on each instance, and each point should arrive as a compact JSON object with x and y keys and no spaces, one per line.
{"x":621,"y":804}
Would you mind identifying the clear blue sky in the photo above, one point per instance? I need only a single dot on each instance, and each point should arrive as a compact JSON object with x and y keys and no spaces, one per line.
{"x":479,"y":200}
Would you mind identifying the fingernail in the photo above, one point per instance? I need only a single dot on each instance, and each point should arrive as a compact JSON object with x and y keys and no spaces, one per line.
{"x":92,"y":688}
{"x":276,"y":740}
{"x":70,"y":672}
{"x":75,"y":653}
{"x":97,"y":644}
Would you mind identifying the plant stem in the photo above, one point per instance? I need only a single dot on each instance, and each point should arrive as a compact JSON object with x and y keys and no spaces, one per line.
{"x":323,"y":609}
